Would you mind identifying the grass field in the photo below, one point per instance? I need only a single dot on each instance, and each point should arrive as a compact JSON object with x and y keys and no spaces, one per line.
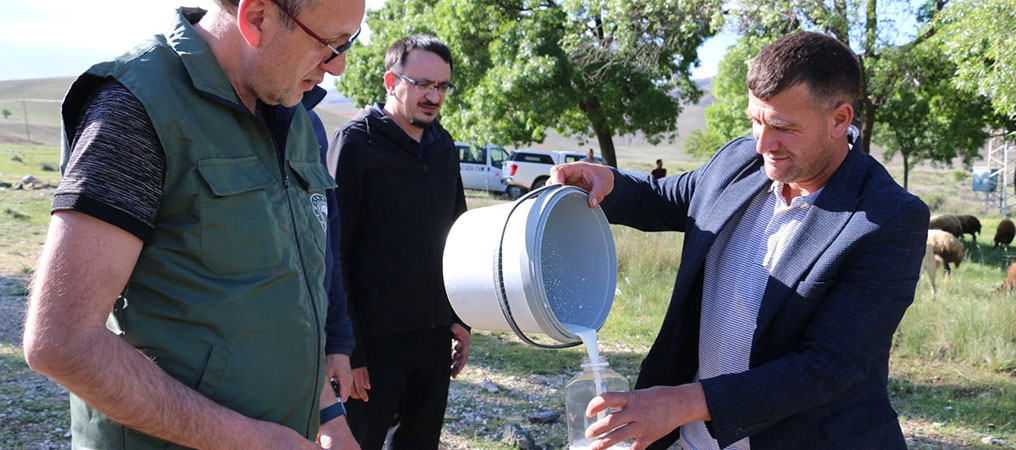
{"x":952,"y":373}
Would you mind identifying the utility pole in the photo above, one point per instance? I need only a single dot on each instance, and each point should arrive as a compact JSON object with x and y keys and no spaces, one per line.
{"x":28,"y":133}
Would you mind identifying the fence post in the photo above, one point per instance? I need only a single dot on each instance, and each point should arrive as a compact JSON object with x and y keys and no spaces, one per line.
{"x":28,"y":133}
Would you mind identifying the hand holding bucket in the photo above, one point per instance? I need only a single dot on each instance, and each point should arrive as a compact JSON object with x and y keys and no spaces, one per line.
{"x":593,"y":178}
{"x":543,"y":264}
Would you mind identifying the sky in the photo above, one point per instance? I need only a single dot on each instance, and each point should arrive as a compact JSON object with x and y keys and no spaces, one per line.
{"x":62,"y":38}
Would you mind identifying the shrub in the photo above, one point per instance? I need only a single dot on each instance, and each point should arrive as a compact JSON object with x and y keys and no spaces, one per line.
{"x":934,"y":201}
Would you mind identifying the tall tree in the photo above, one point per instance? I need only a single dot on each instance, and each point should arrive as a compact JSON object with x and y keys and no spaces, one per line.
{"x":925,"y":117}
{"x":980,"y":38}
{"x":860,"y":22}
{"x":594,"y":69}
{"x":725,"y":118}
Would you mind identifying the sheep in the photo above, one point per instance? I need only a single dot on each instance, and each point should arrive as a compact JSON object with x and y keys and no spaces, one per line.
{"x":948,"y":223}
{"x":970,"y":225}
{"x":931,"y":264}
{"x":1010,"y":278}
{"x":1004,"y":234}
{"x":947,"y":247}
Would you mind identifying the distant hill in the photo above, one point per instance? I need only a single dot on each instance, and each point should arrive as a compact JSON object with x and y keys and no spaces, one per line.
{"x":633,"y":148}
{"x":39,"y":99}
{"x":42,"y":104}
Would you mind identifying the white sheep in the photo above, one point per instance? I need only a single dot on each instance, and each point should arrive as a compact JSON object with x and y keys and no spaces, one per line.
{"x":931,"y":264}
{"x":947,"y":247}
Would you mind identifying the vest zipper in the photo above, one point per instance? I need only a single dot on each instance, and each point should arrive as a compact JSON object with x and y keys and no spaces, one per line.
{"x":303,"y":270}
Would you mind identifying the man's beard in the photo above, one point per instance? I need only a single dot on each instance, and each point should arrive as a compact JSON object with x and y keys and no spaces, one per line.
{"x":421,"y":122}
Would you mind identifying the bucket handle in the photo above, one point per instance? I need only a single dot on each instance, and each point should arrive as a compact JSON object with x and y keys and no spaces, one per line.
{"x":502,"y":296}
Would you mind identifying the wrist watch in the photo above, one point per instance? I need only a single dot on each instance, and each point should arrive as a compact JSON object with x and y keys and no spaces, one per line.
{"x":331,"y":412}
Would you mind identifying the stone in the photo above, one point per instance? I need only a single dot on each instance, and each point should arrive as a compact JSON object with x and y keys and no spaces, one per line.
{"x":543,"y":416}
{"x":516,"y":436}
{"x":489,"y":386}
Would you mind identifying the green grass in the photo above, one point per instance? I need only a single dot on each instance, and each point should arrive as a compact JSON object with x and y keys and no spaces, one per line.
{"x":952,"y":374}
{"x":24,"y":214}
{"x":34,"y":409}
{"x":40,"y":161}
{"x":970,"y":320}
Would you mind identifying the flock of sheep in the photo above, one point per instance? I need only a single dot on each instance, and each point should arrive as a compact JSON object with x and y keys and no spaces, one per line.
{"x":944,"y":246}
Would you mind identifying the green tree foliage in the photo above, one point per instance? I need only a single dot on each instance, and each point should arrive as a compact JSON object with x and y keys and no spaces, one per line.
{"x":926,"y":117}
{"x":725,"y":118}
{"x":703,"y":144}
{"x":6,"y":113}
{"x":979,"y":37}
{"x":861,"y":24}
{"x":586,"y":68}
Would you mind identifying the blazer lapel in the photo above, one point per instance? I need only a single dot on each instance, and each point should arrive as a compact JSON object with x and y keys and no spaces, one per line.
{"x":822,"y":224}
{"x":730,"y":203}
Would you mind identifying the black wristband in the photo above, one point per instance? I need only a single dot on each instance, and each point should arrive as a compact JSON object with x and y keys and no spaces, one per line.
{"x":331,"y":412}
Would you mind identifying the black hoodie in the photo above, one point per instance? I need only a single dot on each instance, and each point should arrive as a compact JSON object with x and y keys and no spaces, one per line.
{"x":397,"y":210}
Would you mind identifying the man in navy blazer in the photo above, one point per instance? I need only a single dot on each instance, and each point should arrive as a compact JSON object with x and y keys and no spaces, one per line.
{"x":800,"y":256}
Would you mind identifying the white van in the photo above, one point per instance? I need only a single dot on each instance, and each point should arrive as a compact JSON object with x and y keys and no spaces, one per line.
{"x":480,"y":166}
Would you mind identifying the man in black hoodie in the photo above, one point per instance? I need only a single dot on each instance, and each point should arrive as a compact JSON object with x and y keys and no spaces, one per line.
{"x":399,"y":193}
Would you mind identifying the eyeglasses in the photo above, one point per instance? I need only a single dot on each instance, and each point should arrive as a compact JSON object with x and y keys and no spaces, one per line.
{"x":446,"y":88}
{"x":336,"y":51}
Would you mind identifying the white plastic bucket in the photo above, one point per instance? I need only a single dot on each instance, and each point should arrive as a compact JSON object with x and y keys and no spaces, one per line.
{"x":557,"y":263}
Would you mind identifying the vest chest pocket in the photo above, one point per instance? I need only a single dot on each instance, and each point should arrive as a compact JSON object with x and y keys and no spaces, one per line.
{"x":314,"y":182}
{"x":239,"y":231}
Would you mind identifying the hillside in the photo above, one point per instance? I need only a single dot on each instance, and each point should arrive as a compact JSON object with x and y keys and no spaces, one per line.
{"x":42,"y":102}
{"x":946,"y":189}
{"x":39,"y":99}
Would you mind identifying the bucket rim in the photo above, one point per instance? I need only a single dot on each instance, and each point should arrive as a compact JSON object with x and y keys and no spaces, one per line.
{"x":536,"y":266}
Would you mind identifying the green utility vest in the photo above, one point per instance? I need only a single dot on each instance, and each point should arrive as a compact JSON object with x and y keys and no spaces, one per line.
{"x":228,"y":294}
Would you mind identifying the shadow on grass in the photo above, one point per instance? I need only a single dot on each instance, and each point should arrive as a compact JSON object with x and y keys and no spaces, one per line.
{"x":505,"y":353}
{"x":12,"y":308}
{"x":980,"y":252}
{"x":973,"y":405}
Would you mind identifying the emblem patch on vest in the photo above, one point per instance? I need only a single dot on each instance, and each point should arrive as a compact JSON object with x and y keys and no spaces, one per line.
{"x":319,"y":204}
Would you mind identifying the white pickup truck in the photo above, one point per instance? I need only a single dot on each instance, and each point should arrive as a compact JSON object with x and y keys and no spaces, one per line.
{"x":480,"y":166}
{"x":529,"y":169}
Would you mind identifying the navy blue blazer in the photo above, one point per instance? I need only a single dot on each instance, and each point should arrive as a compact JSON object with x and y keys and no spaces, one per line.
{"x":820,"y":351}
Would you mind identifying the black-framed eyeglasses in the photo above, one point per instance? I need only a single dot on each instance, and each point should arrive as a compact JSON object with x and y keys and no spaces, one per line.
{"x":446,"y":88}
{"x":336,"y":51}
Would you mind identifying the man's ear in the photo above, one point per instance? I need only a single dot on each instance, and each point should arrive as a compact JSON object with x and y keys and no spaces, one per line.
{"x":389,"y":83}
{"x":841,"y":116}
{"x":250,"y":16}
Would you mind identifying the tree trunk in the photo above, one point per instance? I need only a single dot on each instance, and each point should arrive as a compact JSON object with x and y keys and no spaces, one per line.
{"x":870,"y":32}
{"x":604,"y":135}
{"x":606,"y":140}
{"x":869,"y":124}
{"x":906,"y":171}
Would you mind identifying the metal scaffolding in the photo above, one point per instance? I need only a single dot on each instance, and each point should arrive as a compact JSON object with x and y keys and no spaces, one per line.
{"x":994,"y":179}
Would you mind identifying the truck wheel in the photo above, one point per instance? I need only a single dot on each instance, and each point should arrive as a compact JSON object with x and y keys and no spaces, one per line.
{"x":539,"y":182}
{"x":514,"y":192}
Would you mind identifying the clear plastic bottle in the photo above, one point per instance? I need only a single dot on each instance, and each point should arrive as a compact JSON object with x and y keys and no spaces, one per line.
{"x":580,"y":390}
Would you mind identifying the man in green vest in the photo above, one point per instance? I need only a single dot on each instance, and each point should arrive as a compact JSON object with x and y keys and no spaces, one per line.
{"x":180,"y":293}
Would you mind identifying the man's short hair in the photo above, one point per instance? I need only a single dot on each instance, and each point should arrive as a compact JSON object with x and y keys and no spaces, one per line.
{"x":293,"y":6}
{"x":659,"y":161}
{"x":395,"y":56}
{"x":828,"y":67}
